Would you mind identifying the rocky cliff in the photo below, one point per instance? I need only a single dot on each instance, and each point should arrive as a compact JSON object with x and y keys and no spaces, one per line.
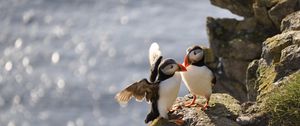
{"x":258,"y":66}
{"x":239,"y":42}
{"x":273,"y":81}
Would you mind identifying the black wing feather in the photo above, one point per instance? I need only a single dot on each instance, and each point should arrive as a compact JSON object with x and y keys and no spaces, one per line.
{"x":154,"y":69}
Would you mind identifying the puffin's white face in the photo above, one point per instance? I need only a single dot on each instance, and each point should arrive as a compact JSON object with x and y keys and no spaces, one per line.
{"x":170,"y":69}
{"x":195,"y":55}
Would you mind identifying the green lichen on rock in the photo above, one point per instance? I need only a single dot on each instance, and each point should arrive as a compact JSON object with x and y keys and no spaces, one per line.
{"x":279,"y":57}
{"x":266,"y":78}
{"x":274,"y":45}
{"x":283,"y":104}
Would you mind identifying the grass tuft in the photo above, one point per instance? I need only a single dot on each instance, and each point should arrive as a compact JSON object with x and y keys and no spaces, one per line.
{"x":283,"y":105}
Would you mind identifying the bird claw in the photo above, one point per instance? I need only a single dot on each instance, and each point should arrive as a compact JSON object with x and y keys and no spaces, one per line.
{"x":174,"y":108}
{"x":192,"y":102}
{"x":204,"y":107}
{"x":178,"y":122}
{"x":189,"y":104}
{"x":193,"y":105}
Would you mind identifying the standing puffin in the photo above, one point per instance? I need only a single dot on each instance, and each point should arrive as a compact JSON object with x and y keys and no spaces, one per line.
{"x":199,"y":79}
{"x":161,"y":92}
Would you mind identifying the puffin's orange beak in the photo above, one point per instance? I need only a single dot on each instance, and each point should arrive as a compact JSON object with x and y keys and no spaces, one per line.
{"x":181,"y":67}
{"x":186,"y":61}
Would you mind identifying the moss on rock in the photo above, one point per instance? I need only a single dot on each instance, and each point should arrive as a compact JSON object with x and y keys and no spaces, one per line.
{"x":266,"y":78}
{"x":283,"y":104}
{"x":273,"y":46}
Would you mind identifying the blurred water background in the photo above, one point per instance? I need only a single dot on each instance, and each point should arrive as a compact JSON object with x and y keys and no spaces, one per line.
{"x":62,"y":61}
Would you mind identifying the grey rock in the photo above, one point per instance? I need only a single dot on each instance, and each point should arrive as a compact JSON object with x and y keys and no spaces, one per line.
{"x":230,"y":38}
{"x":261,"y":14}
{"x":239,"y":7}
{"x":234,"y":88}
{"x":271,"y":12}
{"x":289,"y":61}
{"x":281,"y":9}
{"x":291,"y":22}
{"x":251,"y":77}
{"x":235,"y":69}
{"x":272,"y":46}
{"x":223,"y":110}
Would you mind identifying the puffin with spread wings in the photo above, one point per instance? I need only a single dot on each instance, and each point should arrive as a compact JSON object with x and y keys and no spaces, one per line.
{"x":162,"y":89}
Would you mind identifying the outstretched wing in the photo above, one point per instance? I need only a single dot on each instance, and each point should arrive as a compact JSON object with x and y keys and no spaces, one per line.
{"x":154,"y":53}
{"x":140,"y":90}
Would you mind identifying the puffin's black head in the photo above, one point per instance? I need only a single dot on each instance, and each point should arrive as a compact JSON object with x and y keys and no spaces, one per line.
{"x":194,"y":55}
{"x":168,"y":67}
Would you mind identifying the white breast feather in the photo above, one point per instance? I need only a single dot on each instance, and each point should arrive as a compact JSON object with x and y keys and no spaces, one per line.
{"x":168,"y":92}
{"x":198,"y":80}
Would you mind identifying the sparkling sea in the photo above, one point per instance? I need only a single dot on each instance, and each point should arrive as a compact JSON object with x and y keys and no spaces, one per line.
{"x":62,"y":61}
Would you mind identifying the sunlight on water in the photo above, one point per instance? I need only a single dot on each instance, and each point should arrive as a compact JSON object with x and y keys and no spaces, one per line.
{"x":60,"y":83}
{"x":19,"y":78}
{"x":79,"y":122}
{"x":35,"y":95}
{"x":8,"y":66}
{"x":44,"y":115}
{"x":11,"y":123}
{"x":62,"y":62}
{"x":48,"y":19}
{"x":82,"y":70}
{"x":58,"y":31}
{"x":28,"y":16}
{"x":18,"y":43}
{"x":16,"y":100}
{"x":124,"y":1}
{"x":55,"y":57}
{"x":1,"y":79}
{"x":92,"y":61}
{"x":45,"y":79}
{"x":29,"y":69}
{"x":25,"y":61}
{"x":70,"y":123}
{"x":2,"y":102}
{"x":112,"y":52}
{"x":124,"y":20}
{"x":80,"y":47}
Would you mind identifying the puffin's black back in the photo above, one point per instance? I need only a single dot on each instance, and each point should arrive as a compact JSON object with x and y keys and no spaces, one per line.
{"x":154,"y":113}
{"x":154,"y":69}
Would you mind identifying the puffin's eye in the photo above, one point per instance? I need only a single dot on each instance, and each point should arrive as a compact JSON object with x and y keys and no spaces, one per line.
{"x":195,"y":52}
